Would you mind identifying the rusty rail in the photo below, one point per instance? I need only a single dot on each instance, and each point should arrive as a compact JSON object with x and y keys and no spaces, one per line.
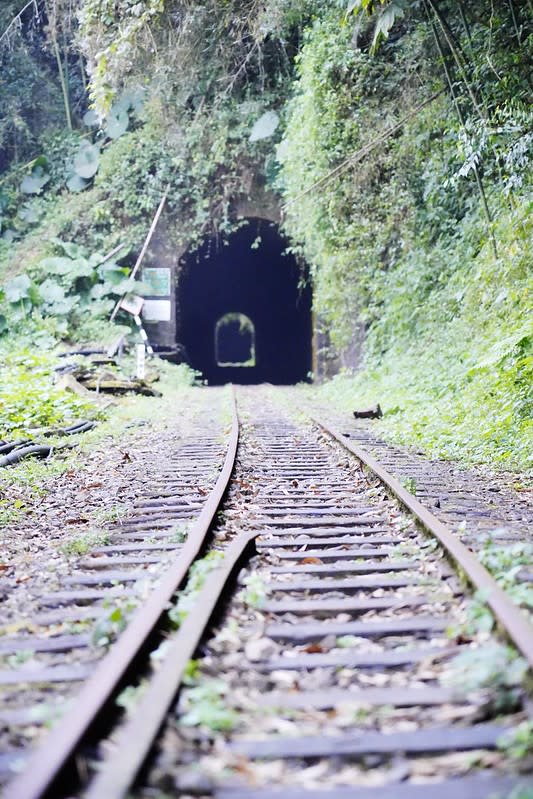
{"x":52,"y":761}
{"x":136,"y":738}
{"x":509,"y":615}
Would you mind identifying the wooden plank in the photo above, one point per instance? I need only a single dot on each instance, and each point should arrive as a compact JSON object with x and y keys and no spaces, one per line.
{"x":66,"y":615}
{"x":319,"y":532}
{"x":329,"y":521}
{"x":106,"y":578}
{"x":316,"y":606}
{"x":337,"y":554}
{"x":476,"y":787}
{"x":56,"y":643}
{"x":142,"y":535}
{"x":264,"y":542}
{"x":287,"y":493}
{"x":116,"y":548}
{"x":392,"y":658}
{"x":346,"y":586}
{"x":110,"y":562}
{"x":366,"y":742}
{"x":162,"y":524}
{"x":319,"y":511}
{"x":312,"y":631}
{"x":344,"y":568}
{"x":140,"y":517}
{"x":55,"y":598}
{"x":340,"y":697}
{"x":156,"y":505}
{"x":46,"y":674}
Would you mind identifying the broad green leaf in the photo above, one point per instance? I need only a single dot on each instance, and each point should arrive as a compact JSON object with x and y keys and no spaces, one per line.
{"x":265,"y":126}
{"x":18,"y":288}
{"x":385,"y":21}
{"x":65,"y":306}
{"x":41,"y":161}
{"x":131,"y":99}
{"x":80,"y":267}
{"x":28,"y":214}
{"x":34,"y":183}
{"x":87,"y":160}
{"x":69,"y":248}
{"x":125,"y":286}
{"x":51,"y":292}
{"x":99,"y":290}
{"x":113,"y":275}
{"x":75,"y":183}
{"x":117,"y":123}
{"x":90,"y":119}
{"x":56,"y":265}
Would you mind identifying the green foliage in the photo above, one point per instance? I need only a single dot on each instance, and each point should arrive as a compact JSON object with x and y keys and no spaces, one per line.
{"x":30,"y":96}
{"x":86,"y":160}
{"x":255,"y":592}
{"x":478,"y":618}
{"x":130,"y":696}
{"x":36,"y":180}
{"x":382,"y":195}
{"x":195,"y":582}
{"x":396,"y":234}
{"x":207,"y":708}
{"x":28,"y":398}
{"x":518,"y":744}
{"x":81,"y":545}
{"x":113,"y":621}
{"x":505,"y":564}
{"x":493,"y":666}
{"x":76,"y":289}
{"x":179,"y":533}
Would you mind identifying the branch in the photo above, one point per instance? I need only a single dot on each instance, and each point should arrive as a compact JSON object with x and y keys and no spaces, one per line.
{"x":16,"y":19}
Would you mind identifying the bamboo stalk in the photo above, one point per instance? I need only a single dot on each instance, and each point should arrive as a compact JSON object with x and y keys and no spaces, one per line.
{"x":62,"y":78}
{"x":479,"y":182}
{"x":457,"y":55}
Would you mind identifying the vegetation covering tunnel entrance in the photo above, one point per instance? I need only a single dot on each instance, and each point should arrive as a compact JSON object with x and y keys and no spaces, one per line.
{"x":244,"y":317}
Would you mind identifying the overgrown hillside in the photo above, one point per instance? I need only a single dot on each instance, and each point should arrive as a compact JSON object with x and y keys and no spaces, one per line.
{"x":397,"y":134}
{"x":411,"y":198}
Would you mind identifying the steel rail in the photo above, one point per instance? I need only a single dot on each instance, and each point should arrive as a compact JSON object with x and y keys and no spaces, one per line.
{"x":46,"y":769}
{"x":509,"y":616}
{"x":117,"y":776}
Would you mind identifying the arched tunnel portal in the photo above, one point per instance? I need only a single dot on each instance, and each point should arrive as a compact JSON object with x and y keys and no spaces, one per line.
{"x":243,"y":314}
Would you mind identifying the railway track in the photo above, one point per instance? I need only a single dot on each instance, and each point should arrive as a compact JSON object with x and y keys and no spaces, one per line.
{"x":52,"y":643}
{"x":322,"y":648}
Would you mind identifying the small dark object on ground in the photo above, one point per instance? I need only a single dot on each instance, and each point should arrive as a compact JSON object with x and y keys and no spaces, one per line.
{"x":35,"y":450}
{"x":373,"y":412}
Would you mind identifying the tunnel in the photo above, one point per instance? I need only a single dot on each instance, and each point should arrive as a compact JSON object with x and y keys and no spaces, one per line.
{"x":244,"y":309}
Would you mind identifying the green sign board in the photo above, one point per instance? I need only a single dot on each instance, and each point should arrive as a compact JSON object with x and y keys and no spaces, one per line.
{"x":157,"y":280}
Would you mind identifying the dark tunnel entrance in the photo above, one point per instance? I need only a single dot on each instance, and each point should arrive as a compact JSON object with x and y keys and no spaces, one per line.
{"x":243,"y":316}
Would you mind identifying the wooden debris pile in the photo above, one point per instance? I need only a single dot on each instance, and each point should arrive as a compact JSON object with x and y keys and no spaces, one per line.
{"x":97,"y":372}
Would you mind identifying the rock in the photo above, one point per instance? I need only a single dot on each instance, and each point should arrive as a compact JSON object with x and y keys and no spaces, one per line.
{"x":260,"y":649}
{"x":194,"y":782}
